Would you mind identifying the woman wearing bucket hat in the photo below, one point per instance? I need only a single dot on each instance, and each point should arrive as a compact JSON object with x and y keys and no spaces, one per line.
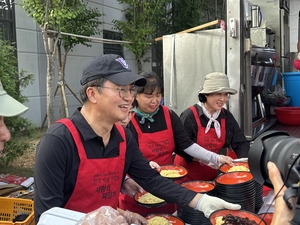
{"x":212,"y":126}
{"x":8,"y":107}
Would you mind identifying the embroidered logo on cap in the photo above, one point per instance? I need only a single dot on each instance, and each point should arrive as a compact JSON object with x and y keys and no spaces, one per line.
{"x":123,"y":63}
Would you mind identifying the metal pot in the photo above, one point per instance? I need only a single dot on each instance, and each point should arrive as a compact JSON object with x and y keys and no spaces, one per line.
{"x":262,"y":54}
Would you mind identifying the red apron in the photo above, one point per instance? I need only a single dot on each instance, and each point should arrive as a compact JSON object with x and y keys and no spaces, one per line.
{"x":98,"y":181}
{"x":158,"y":147}
{"x":209,"y":141}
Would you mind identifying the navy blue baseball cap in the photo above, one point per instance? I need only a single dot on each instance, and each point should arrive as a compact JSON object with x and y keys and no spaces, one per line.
{"x":112,"y":67}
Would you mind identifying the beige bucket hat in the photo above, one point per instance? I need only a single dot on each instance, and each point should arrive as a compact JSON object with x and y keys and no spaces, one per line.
{"x":9,"y":106}
{"x":216,"y":82}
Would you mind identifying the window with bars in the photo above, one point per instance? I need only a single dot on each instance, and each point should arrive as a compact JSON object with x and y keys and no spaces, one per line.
{"x":7,"y":20}
{"x":112,"y":48}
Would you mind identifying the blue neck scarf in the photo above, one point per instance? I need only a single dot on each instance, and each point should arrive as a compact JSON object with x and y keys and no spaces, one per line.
{"x":144,"y":116}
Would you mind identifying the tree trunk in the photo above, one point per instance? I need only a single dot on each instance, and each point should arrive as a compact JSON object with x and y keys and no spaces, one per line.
{"x":49,"y":49}
{"x":140,"y":65}
{"x":61,"y":63}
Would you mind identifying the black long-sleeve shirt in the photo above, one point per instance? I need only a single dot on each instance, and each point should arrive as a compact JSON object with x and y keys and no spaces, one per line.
{"x":57,"y":163}
{"x":235,"y":137}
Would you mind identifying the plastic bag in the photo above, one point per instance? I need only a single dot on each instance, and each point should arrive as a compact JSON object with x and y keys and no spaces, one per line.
{"x":105,"y":215}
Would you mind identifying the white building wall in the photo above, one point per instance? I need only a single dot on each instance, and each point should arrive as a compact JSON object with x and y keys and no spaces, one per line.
{"x":294,"y":24}
{"x":32,"y":58}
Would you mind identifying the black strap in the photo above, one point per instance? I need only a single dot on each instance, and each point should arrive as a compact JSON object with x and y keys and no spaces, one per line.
{"x":293,"y":191}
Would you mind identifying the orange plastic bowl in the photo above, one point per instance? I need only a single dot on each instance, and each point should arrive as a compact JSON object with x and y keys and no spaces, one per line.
{"x":297,"y":64}
{"x":239,"y":213}
{"x":288,"y":115}
{"x":225,"y":167}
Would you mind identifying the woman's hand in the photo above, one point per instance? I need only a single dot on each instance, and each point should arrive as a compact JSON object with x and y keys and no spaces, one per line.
{"x":131,"y":187}
{"x":133,"y":218}
{"x":224,"y":159}
{"x":154,"y":165}
{"x":282,"y":214}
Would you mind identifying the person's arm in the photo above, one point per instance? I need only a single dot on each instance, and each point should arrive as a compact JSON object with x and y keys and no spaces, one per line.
{"x":130,"y":187}
{"x":49,"y":172}
{"x":137,"y":166}
{"x":208,"y":204}
{"x":282,"y":214}
{"x":185,"y":142}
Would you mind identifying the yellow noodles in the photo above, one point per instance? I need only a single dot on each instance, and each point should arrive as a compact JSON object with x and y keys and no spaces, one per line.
{"x":170,"y":173}
{"x":238,"y":168}
{"x":149,"y":199}
{"x":219,"y":220}
{"x":158,"y":220}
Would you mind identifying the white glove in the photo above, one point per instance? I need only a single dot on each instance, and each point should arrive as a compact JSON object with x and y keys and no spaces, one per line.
{"x":222,"y":159}
{"x":209,"y":204}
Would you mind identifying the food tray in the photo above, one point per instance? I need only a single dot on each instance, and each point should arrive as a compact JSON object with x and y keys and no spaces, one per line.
{"x":12,"y":207}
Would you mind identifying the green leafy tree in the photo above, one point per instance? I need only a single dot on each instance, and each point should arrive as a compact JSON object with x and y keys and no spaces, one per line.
{"x":12,"y":82}
{"x":85,"y":24}
{"x":146,"y":20}
{"x":185,"y":14}
{"x":140,"y":25}
{"x":61,"y":16}
{"x":179,"y":15}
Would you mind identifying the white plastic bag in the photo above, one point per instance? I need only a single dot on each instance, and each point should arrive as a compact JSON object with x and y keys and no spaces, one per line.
{"x":105,"y":215}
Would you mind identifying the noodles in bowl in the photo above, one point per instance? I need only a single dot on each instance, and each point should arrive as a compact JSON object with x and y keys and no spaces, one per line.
{"x":238,"y":168}
{"x":148,"y":200}
{"x":173,"y":171}
{"x":163,"y":219}
{"x":170,"y":173}
{"x":158,"y":220}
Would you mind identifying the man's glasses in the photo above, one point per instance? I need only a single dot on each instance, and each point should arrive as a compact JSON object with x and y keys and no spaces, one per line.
{"x":123,"y":92}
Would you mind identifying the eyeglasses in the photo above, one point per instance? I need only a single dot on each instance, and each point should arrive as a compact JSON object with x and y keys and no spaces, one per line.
{"x":123,"y":92}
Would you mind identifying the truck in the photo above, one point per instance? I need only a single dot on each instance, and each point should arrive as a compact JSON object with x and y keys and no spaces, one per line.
{"x":252,"y":49}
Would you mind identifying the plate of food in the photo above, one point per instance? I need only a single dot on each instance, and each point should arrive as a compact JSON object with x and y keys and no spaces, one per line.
{"x":163,"y":219}
{"x":148,"y":200}
{"x":226,"y":216}
{"x":173,"y":171}
{"x":237,"y":166}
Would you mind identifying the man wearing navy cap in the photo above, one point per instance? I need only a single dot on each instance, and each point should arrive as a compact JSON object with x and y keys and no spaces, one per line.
{"x":81,"y":161}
